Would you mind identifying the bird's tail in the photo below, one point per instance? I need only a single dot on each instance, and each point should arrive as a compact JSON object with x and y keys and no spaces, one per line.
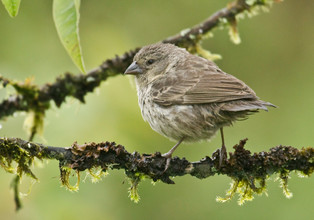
{"x":246,"y":105}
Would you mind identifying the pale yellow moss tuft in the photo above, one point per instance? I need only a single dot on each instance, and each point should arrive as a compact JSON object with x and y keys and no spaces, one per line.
{"x":234,"y":34}
{"x":133,"y":190}
{"x":284,"y":185}
{"x":96,"y":174}
{"x":65,"y":179}
{"x":33,"y":181}
{"x":245,"y":189}
{"x":34,"y":121}
{"x":206,"y":54}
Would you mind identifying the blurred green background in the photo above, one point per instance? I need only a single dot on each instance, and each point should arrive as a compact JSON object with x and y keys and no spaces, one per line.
{"x":275,"y":58}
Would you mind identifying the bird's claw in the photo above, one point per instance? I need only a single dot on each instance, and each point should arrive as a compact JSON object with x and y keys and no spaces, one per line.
{"x":168,"y":156}
{"x":167,"y":164}
{"x":222,"y":155}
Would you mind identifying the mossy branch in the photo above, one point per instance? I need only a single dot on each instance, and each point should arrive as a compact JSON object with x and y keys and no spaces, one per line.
{"x":248,"y":171}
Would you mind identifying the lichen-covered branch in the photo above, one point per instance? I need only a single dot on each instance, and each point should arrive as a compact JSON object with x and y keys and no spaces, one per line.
{"x":33,"y":98}
{"x":248,"y":171}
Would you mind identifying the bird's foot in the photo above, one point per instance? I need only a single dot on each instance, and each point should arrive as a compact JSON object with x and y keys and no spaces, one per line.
{"x":167,"y":155}
{"x":222,"y":155}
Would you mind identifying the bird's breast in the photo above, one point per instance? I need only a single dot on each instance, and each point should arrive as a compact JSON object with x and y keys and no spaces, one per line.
{"x":176,"y":121}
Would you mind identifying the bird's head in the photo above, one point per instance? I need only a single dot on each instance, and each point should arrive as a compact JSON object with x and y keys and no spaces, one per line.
{"x":152,"y":61}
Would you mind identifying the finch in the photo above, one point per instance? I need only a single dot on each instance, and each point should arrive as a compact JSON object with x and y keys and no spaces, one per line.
{"x":188,"y":98}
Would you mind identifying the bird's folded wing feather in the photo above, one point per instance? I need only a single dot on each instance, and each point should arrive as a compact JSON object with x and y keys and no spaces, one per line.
{"x":199,"y":86}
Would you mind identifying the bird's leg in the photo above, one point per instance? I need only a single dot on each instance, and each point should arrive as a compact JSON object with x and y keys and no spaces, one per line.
{"x":170,"y":152}
{"x":168,"y":155}
{"x":223,"y":150}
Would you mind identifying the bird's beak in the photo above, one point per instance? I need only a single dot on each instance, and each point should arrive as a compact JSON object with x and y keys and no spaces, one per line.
{"x":133,"y":69}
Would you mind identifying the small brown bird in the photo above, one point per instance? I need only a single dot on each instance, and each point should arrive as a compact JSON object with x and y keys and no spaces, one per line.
{"x":188,"y":98}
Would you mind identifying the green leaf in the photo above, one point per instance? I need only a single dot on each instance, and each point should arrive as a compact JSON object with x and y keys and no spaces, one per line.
{"x":66,"y":16}
{"x":12,"y":6}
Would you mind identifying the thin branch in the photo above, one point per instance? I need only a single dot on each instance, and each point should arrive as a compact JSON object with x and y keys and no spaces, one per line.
{"x":189,"y":37}
{"x":37,"y":98}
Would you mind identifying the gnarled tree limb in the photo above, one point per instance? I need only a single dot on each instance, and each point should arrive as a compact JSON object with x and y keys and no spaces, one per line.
{"x":248,"y":171}
{"x":242,"y":164}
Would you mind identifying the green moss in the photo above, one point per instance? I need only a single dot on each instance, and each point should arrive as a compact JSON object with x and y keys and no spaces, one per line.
{"x":34,"y":123}
{"x":284,"y":176}
{"x":245,"y":189}
{"x":134,"y":181}
{"x":234,"y":34}
{"x":96,"y":174}
{"x":65,"y":173}
{"x":23,"y":159}
{"x":206,"y":54}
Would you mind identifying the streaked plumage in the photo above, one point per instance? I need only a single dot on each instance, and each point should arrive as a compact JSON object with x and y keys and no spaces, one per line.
{"x":184,"y":96}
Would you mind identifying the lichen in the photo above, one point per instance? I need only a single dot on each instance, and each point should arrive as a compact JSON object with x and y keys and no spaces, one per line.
{"x":256,"y":6}
{"x":184,"y":32}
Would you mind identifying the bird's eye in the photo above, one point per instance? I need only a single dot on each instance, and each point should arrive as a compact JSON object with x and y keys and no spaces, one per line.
{"x":150,"y":61}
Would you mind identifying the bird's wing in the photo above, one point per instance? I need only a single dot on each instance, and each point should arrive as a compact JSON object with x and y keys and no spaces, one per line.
{"x":197,"y":82}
